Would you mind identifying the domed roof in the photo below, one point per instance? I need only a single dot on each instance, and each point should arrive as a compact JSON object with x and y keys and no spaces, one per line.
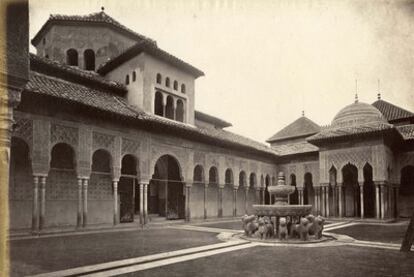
{"x":356,"y":114}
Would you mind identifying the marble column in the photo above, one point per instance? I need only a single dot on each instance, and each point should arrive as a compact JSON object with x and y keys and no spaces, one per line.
{"x":263,"y":190}
{"x":35,"y":212}
{"x":85,"y":202}
{"x":246,"y":197}
{"x":397,"y":196}
{"x":141,"y":203}
{"x":42,"y":218}
{"x":334,"y":201}
{"x":390,"y":201}
{"x":205,"y":200}
{"x":79,"y":216}
{"x":327,"y":187}
{"x":258,"y":195}
{"x":235,"y":202}
{"x":187,"y":202}
{"x":322,"y":200}
{"x":340,"y":200}
{"x":145,"y":203}
{"x":361,"y":195}
{"x":220,"y":202}
{"x":377,"y":200}
{"x":115,"y":186}
{"x":382,"y":201}
{"x":164,"y":108}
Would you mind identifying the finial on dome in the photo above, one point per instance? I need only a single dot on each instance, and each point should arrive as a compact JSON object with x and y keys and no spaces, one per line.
{"x":303,"y":113}
{"x":102,"y":8}
{"x":356,"y":91}
{"x":379,"y":92}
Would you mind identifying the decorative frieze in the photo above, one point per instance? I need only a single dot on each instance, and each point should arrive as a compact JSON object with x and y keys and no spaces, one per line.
{"x":129,"y":146}
{"x":23,"y":128}
{"x":103,"y":141}
{"x":66,"y":134}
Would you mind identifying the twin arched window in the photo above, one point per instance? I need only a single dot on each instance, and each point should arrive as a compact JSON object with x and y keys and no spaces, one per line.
{"x":89,"y":59}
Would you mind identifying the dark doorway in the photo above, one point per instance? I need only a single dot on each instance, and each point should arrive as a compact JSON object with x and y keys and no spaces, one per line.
{"x":127,"y":190}
{"x":351,"y":191}
{"x":294,"y":197}
{"x":369,"y":192}
{"x":168,"y":188}
{"x":406,"y":195}
{"x":308,"y":192}
{"x":267,"y":194}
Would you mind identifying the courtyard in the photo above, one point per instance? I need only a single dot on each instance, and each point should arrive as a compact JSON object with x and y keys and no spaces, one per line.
{"x":201,"y":249}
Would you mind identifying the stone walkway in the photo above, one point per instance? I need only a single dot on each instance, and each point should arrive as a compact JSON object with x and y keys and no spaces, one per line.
{"x":232,"y":242}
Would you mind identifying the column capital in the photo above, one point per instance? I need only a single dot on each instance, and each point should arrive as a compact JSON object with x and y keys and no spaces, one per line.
{"x":188,"y":184}
{"x":338,"y":184}
{"x":221,"y":186}
{"x":324,"y":185}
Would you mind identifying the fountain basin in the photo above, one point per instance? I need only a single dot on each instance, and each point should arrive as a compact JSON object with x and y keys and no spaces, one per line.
{"x":281,"y":190}
{"x":282,"y":210}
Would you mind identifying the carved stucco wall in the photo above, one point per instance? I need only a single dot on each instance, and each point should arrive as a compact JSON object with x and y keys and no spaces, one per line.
{"x":299,"y":169}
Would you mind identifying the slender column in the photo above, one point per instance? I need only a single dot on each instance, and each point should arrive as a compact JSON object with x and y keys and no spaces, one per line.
{"x":205,"y":200}
{"x":141,"y":203}
{"x":340,"y":200}
{"x":145,"y":203}
{"x":361,"y":194}
{"x":220,"y":202}
{"x":35,"y":214}
{"x":377,"y":201}
{"x":316,"y":200}
{"x":263,"y":191}
{"x":390,"y":202}
{"x":166,"y":197}
{"x":322,"y":200}
{"x":334,"y":201}
{"x":115,"y":185}
{"x":397,"y":196}
{"x":382,"y":201}
{"x":79,"y":214}
{"x":327,"y":200}
{"x":258,"y":195}
{"x":187,"y":203}
{"x":164,"y":109}
{"x":42,"y":202}
{"x":234,"y":201}
{"x":85,"y":202}
{"x":246,"y":196}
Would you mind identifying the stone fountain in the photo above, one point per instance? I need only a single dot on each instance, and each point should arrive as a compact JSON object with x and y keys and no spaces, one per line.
{"x":295,"y":218}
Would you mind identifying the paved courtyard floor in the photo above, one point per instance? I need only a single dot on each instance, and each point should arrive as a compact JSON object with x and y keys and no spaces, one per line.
{"x":212,"y":249}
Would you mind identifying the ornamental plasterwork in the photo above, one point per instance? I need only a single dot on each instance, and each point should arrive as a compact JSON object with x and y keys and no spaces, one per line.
{"x":60,"y":133}
{"x":406,"y":159}
{"x":358,"y":157}
{"x":23,"y":129}
{"x":129,"y":146}
{"x":199,"y":158}
{"x":103,"y":141}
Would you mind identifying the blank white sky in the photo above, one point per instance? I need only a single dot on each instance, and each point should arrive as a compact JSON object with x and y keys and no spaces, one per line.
{"x":266,"y":61}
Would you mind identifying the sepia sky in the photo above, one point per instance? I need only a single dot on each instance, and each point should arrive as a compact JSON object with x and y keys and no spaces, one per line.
{"x":266,"y":61}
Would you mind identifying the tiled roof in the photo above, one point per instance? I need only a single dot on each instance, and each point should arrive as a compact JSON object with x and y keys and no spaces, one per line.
{"x":71,"y":73}
{"x":407,"y":131}
{"x":302,"y":126}
{"x":152,"y":49}
{"x":80,"y":95}
{"x":295,"y":148}
{"x":211,"y":119}
{"x":100,"y":18}
{"x":77,"y":94}
{"x":392,"y":112}
{"x":332,"y":132}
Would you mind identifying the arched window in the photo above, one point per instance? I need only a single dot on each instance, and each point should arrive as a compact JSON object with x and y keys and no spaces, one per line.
{"x":167,"y":82}
{"x":129,"y":165}
{"x":101,"y":161}
{"x":127,"y":80}
{"x":175,"y":85}
{"x":89,"y":58}
{"x":134,"y":76}
{"x":252,"y":180}
{"x":213,"y":175}
{"x":242,"y":178}
{"x":158,"y":108}
{"x":198,"y":174}
{"x":182,"y":88}
{"x":63,"y":156}
{"x":159,"y":78}
{"x":169,"y":109}
{"x":179,"y":111}
{"x":72,"y":57}
{"x":229,"y":177}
